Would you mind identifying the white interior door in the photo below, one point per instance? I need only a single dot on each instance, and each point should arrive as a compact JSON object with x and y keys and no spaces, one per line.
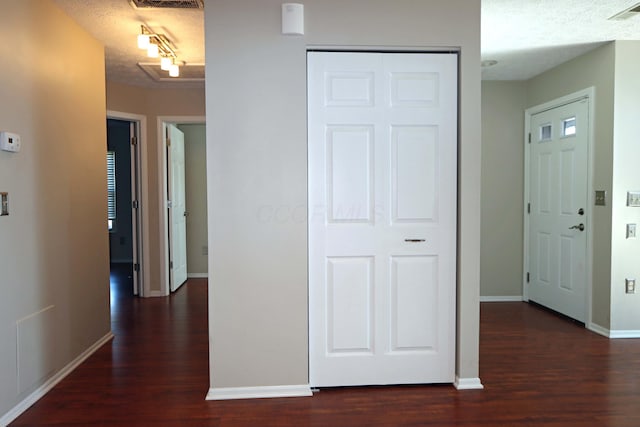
{"x":177,"y":209}
{"x":382,"y":217}
{"x":558,"y":221}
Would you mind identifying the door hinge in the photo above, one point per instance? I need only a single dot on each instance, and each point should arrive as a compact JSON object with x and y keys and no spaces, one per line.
{"x":134,"y":140}
{"x":527,"y":277}
{"x":171,"y":264}
{"x":136,"y":267}
{"x":529,"y":137}
{"x":135,"y":204}
{"x":168,"y":143}
{"x":529,"y":208}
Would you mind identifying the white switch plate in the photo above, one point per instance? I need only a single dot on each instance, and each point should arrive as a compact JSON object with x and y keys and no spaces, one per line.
{"x":631,"y":231}
{"x":630,"y":286}
{"x":633,"y":198}
{"x":9,"y":142}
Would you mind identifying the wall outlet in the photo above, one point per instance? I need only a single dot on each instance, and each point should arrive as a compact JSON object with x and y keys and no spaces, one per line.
{"x":630,"y":286}
{"x":205,"y":250}
{"x":601,"y":198}
{"x":631,"y":231}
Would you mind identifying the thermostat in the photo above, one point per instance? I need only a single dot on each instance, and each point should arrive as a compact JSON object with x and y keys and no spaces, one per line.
{"x":9,"y":142}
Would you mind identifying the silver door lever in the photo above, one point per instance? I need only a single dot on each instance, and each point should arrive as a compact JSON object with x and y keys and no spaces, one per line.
{"x":577,"y":227}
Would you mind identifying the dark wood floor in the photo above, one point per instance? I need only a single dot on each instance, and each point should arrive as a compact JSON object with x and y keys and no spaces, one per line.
{"x":537,"y":368}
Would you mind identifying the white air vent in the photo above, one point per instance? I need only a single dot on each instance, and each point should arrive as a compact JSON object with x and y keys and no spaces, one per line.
{"x":188,"y":72}
{"x":167,"y":4}
{"x":627,"y":13}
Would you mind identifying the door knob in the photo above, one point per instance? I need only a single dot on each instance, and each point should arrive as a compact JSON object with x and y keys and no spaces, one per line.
{"x":577,"y":227}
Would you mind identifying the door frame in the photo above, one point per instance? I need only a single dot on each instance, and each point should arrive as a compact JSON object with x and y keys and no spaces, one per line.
{"x":162,"y":122}
{"x":589,"y":95}
{"x":142,"y":184}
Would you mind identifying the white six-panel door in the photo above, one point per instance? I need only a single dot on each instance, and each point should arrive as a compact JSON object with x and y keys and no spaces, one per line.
{"x":382,"y":217}
{"x":558,"y":221}
{"x":177,"y":212}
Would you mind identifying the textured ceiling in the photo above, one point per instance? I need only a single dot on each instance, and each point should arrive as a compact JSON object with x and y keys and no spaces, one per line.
{"x":116,"y":24}
{"x":526,"y":37}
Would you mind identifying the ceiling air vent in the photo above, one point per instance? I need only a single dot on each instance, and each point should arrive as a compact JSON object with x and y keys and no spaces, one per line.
{"x":627,"y":13}
{"x":167,"y":4}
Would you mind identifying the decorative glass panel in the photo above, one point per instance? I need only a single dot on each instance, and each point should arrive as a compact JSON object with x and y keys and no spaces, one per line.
{"x":569,"y":127}
{"x":545,"y":133}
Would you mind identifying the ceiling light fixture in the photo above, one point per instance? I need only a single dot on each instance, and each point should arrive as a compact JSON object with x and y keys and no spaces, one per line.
{"x":158,"y":45}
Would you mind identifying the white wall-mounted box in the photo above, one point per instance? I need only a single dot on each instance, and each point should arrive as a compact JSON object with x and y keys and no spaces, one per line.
{"x":9,"y":142}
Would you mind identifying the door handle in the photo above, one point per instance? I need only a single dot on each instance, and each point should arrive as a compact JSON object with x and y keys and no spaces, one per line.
{"x":577,"y":227}
{"x":414,"y":240}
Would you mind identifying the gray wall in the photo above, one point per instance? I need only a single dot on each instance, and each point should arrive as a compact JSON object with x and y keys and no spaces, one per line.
{"x":54,"y":259}
{"x":195,"y":154}
{"x":625,"y":253}
{"x":503,"y":105}
{"x":257,"y":156}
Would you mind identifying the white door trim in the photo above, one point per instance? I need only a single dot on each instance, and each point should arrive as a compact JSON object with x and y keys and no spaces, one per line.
{"x":143,"y":191}
{"x":162,"y":121}
{"x":589,"y":94}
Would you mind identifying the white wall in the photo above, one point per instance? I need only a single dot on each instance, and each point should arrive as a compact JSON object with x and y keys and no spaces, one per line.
{"x":54,"y":260}
{"x":257,"y":158}
{"x":625,"y":253}
{"x":503,"y":105}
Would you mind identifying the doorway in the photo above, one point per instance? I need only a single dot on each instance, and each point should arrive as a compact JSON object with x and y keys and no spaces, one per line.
{"x":558,"y":209}
{"x":382,"y":217}
{"x":123,"y":213}
{"x":183,"y":187}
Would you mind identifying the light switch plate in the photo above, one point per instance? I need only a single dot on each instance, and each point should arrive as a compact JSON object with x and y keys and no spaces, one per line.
{"x":4,"y":204}
{"x":633,"y":199}
{"x":601,"y":198}
{"x":630,"y":286}
{"x":631,"y":231}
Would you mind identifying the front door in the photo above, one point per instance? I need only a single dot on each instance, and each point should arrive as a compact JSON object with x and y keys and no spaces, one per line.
{"x":382,"y":217}
{"x":558,"y":208}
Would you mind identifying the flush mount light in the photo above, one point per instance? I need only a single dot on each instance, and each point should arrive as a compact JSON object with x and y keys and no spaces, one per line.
{"x":488,"y":63}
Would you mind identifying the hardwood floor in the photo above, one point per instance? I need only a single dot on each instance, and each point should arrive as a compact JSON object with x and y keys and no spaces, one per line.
{"x":537,"y":369}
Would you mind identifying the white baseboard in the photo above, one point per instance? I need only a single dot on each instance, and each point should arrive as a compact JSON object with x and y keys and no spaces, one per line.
{"x":624,"y":334}
{"x":17,"y":410}
{"x":197,"y":275}
{"x":226,"y":393}
{"x":599,"y":330}
{"x":614,"y":334}
{"x":468,"y":383}
{"x":509,"y":298}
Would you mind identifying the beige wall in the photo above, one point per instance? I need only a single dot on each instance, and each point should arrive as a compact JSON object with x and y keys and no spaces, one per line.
{"x":53,"y":245}
{"x":257,"y":156}
{"x":195,"y":153}
{"x":503,"y":105}
{"x":596,"y":69}
{"x":153,"y":103}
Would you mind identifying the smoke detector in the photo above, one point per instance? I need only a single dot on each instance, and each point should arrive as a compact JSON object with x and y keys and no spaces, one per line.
{"x":167,"y":4}
{"x":627,"y":13}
